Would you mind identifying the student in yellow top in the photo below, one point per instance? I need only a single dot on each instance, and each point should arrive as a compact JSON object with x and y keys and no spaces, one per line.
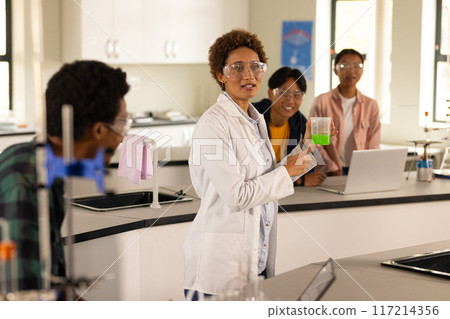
{"x":285,"y":123}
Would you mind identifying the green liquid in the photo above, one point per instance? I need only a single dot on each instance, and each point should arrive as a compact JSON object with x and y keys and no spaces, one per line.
{"x":321,"y":139}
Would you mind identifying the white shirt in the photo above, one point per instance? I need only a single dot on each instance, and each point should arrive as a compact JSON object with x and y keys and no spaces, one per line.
{"x":267,"y":209}
{"x":348,"y":140}
{"x":221,"y":248}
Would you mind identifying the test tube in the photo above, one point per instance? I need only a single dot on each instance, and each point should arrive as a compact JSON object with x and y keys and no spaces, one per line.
{"x":8,"y":260}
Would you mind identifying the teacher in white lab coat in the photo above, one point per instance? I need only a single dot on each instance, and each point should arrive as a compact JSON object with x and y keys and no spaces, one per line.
{"x":232,"y":167}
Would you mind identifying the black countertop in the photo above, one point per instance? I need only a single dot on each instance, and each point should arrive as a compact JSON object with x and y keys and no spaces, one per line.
{"x":18,"y":131}
{"x":160,"y":122}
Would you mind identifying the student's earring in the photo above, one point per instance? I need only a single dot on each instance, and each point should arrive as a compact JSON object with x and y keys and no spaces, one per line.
{"x":223,"y":86}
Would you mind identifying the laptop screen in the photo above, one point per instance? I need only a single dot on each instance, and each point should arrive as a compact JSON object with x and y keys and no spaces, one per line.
{"x":371,"y":171}
{"x":320,"y":283}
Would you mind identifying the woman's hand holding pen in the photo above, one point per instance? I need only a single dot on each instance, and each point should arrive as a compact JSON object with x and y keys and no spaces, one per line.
{"x":298,"y":164}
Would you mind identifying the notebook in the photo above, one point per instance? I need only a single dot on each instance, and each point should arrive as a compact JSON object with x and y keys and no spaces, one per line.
{"x":370,"y":171}
{"x":320,"y":283}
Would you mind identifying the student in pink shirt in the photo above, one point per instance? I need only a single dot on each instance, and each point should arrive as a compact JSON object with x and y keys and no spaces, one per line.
{"x":355,"y":115}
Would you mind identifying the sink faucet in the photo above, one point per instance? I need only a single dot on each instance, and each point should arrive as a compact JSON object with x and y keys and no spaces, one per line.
{"x":155,"y":203}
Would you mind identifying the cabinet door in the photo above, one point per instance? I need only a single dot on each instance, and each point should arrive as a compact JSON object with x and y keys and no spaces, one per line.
{"x":86,"y":26}
{"x":158,"y":31}
{"x":96,"y":17}
{"x":127,"y":28}
{"x":197,"y":24}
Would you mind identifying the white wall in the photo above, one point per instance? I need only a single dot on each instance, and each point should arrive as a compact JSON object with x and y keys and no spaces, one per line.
{"x":183,"y":87}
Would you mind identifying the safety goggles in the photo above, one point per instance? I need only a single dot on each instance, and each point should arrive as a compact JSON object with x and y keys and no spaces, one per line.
{"x":350,"y":66}
{"x":239,"y":70}
{"x":280,"y":93}
{"x":121,"y":125}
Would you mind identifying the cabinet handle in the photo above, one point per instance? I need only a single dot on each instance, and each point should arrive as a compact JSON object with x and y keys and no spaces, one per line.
{"x":167,"y":49}
{"x":116,"y":50}
{"x":174,"y":49}
{"x":109,"y":48}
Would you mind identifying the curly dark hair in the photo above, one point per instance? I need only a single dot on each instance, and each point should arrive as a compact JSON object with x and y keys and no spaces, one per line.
{"x":280,"y":76}
{"x":92,"y":88}
{"x":348,"y":51}
{"x":228,"y":42}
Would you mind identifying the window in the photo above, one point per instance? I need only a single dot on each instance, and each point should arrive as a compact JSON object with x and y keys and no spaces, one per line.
{"x":5,"y":56}
{"x":442,"y":63}
{"x":352,"y":29}
{"x":366,"y":26}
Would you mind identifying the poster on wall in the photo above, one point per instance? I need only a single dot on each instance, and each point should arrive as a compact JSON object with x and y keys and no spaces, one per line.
{"x":296,"y":46}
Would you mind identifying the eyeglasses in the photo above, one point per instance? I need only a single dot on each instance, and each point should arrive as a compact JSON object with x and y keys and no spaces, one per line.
{"x":121,"y":126}
{"x":286,"y":94}
{"x":348,"y":66}
{"x":238,"y":70}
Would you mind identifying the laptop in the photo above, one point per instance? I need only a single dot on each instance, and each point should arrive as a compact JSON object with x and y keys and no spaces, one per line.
{"x":434,"y":263}
{"x":320,"y":283}
{"x":370,"y":171}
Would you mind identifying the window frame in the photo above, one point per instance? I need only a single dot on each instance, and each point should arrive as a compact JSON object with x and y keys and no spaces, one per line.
{"x":377,"y":54}
{"x":438,"y":57}
{"x":333,"y":52}
{"x":7,"y":57}
{"x":333,"y":39}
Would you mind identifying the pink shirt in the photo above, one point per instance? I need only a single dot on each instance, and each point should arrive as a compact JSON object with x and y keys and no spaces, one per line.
{"x":366,"y":125}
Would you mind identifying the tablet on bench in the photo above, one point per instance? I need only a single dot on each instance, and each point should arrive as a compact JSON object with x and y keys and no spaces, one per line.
{"x":320,"y":283}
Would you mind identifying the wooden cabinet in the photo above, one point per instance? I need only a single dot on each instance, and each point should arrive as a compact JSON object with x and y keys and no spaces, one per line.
{"x":147,"y":31}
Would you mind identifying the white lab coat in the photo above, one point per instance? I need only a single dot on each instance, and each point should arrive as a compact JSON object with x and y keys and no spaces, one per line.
{"x":221,"y":248}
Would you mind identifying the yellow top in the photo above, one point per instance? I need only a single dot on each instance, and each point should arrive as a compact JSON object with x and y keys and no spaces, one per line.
{"x":279,"y":137}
